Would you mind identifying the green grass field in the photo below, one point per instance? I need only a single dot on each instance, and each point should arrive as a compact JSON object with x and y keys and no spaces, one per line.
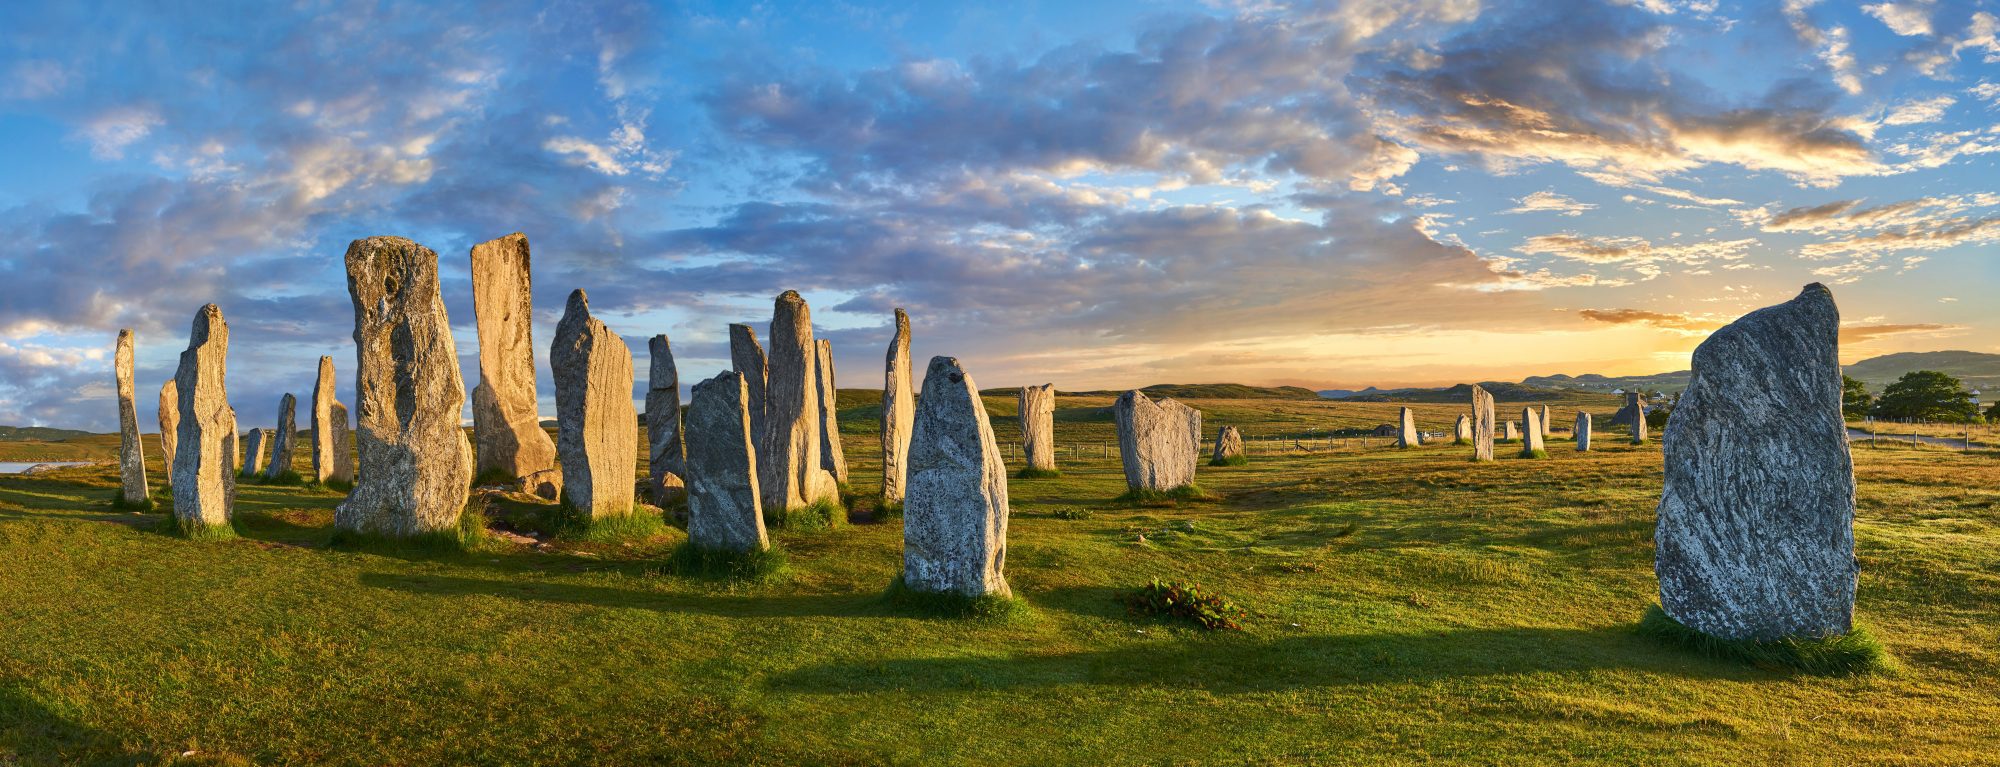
{"x":1404,"y":606}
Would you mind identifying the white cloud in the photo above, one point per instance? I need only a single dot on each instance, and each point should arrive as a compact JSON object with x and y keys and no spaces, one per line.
{"x":1920,"y":111}
{"x":1550,"y":202}
{"x":1906,"y":19}
{"x":111,"y":131}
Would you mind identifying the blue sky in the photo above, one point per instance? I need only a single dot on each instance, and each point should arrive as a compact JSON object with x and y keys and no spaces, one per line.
{"x":1096,"y":194}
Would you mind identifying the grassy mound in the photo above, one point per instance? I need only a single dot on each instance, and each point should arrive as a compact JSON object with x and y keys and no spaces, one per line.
{"x":1855,"y":652}
{"x":1534,"y":454}
{"x":1180,"y":601}
{"x":823,"y":514}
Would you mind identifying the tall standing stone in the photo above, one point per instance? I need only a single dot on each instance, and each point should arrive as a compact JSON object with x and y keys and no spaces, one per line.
{"x":170,"y":425}
{"x":899,"y":408}
{"x":416,"y":464}
{"x":1157,"y":442}
{"x":322,"y":422}
{"x":204,"y":479}
{"x":1547,"y":426}
{"x":1482,"y":419}
{"x":789,"y":461}
{"x":1510,"y":431}
{"x":747,"y":357}
{"x":1637,"y":406}
{"x":255,"y":447}
{"x":287,"y":438}
{"x":832,"y":457}
{"x":596,"y":427}
{"x":506,"y":419}
{"x":132,"y":489}
{"x":1037,"y":412}
{"x":1228,"y":447}
{"x":1532,"y":429}
{"x":1461,"y":432}
{"x":725,"y":511}
{"x":1582,"y":432}
{"x":1755,"y":538}
{"x":343,"y":450}
{"x":1406,"y":430}
{"x":955,"y":512}
{"x":664,"y":449}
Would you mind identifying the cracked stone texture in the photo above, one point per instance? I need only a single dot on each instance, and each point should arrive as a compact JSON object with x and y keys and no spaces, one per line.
{"x":597,"y":434}
{"x":1037,"y":411}
{"x":1228,"y":444}
{"x":415,"y":468}
{"x":1159,"y":443}
{"x":285,"y":440}
{"x":131,"y":451}
{"x":1406,"y":429}
{"x":790,"y":474}
{"x":1482,"y":424}
{"x":665,"y":453}
{"x":343,"y":449}
{"x":204,"y":476}
{"x":1462,"y":431}
{"x":747,"y":357}
{"x":1582,"y":432}
{"x":955,"y":510}
{"x":1532,"y":430}
{"x":1755,"y":538}
{"x":899,"y":408}
{"x":506,"y":424}
{"x":322,"y":422}
{"x":256,"y":445}
{"x":724,"y":508}
{"x":170,"y":425}
{"x":831,"y":457}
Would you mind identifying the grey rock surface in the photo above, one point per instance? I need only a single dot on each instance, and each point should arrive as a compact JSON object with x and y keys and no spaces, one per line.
{"x":1461,"y":432}
{"x":1547,"y":426}
{"x":1532,"y":430}
{"x":832,"y":457}
{"x":415,"y":467}
{"x":204,"y":477}
{"x":747,"y":357}
{"x":955,"y":511}
{"x":1406,"y":429}
{"x":596,"y":426}
{"x":284,"y":440}
{"x":1158,"y":442}
{"x":1228,"y":445}
{"x":506,"y":422}
{"x":341,"y":442}
{"x":170,"y":425}
{"x":1582,"y":432}
{"x":725,"y":510}
{"x":256,"y":446}
{"x":1510,"y":431}
{"x":1755,"y":538}
{"x":788,"y":463}
{"x":1482,"y":424}
{"x":665,"y":450}
{"x":131,"y":451}
{"x":899,"y":408}
{"x":1037,"y":411}
{"x":322,"y":422}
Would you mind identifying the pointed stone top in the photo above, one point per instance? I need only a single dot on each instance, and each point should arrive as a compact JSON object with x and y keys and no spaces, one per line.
{"x":659,"y":344}
{"x":948,"y":366}
{"x":789,"y":296}
{"x":206,"y":320}
{"x":384,"y":242}
{"x":578,"y":302}
{"x":902,"y":319}
{"x":124,"y":334}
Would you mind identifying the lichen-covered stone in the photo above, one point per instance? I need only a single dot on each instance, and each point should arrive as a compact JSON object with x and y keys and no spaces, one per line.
{"x":725,"y":511}
{"x":832,"y":457}
{"x":284,"y":442}
{"x":1633,"y":416}
{"x":1582,"y":432}
{"x":789,"y":464}
{"x":899,"y":408}
{"x":506,"y":420}
{"x":1228,"y":446}
{"x":204,"y":477}
{"x":747,"y":357}
{"x":1482,"y":424}
{"x":1510,"y":431}
{"x":1159,"y":443}
{"x":1532,"y":445}
{"x":170,"y":425}
{"x":322,"y":422}
{"x":1406,"y":429}
{"x":596,"y":426}
{"x":955,"y":511}
{"x":340,"y":443}
{"x":665,"y":451}
{"x":1546,"y":425}
{"x":256,"y":446}
{"x":415,"y":468}
{"x":131,"y":452}
{"x":1037,"y":411}
{"x":1461,"y":432}
{"x":1755,"y":538}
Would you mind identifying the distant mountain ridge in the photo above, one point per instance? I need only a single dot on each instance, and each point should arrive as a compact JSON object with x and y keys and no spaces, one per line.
{"x":1196,"y":391}
{"x":1979,"y":370}
{"x":38,"y":433}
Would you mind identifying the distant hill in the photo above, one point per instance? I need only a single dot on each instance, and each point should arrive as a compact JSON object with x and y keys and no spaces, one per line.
{"x":38,"y":433}
{"x":1501,"y":391}
{"x":1592,"y":382}
{"x":1196,"y":391}
{"x":1977,"y":369}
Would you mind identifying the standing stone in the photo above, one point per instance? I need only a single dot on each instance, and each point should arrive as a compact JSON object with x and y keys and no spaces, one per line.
{"x":596,"y":427}
{"x":955,"y":513}
{"x":1510,"y":431}
{"x":1582,"y":432}
{"x":666,"y":455}
{"x":1637,"y":407}
{"x":203,"y":478}
{"x":1547,"y":426}
{"x":1482,"y":418}
{"x":1037,"y":412}
{"x":1755,"y":538}
{"x":725,"y":511}
{"x":1461,"y":432}
{"x":747,"y":357}
{"x":1158,"y":442}
{"x":322,"y":422}
{"x":831,"y":457}
{"x":506,"y":421}
{"x":1406,"y":430}
{"x":899,"y":408}
{"x":170,"y":425}
{"x":255,"y":447}
{"x":343,"y":452}
{"x":789,"y":461}
{"x":286,"y":438}
{"x":232,"y":447}
{"x":1532,"y":430}
{"x":1228,"y":447}
{"x":131,"y":452}
{"x":416,"y":464}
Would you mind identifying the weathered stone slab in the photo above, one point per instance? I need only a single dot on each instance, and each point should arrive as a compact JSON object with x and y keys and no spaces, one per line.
{"x":1037,"y":411}
{"x":204,"y":479}
{"x":1532,"y":429}
{"x":1510,"y":431}
{"x":170,"y":425}
{"x":596,"y":426}
{"x":1582,"y":432}
{"x":899,"y":408}
{"x":747,"y":357}
{"x":725,"y":510}
{"x":1406,"y":430}
{"x":1755,"y":538}
{"x":1461,"y":432}
{"x":131,"y":452}
{"x":322,"y":422}
{"x":1482,"y":419}
{"x":256,"y":446}
{"x":339,"y":443}
{"x":506,"y":420}
{"x":415,"y":467}
{"x":285,"y":440}
{"x":665,"y":451}
{"x":832,"y":457}
{"x":955,"y":513}
{"x":1228,"y":447}
{"x":1633,"y":417}
{"x":1158,"y":443}
{"x":789,"y":461}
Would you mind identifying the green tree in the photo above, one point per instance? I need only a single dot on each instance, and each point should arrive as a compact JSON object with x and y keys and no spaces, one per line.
{"x":1854,"y":398}
{"x":1656,"y":419}
{"x":1993,"y":413}
{"x":1926,"y":395}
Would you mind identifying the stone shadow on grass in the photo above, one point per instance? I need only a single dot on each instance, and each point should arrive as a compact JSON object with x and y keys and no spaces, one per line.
{"x":1243,"y":664}
{"x":807,"y":606}
{"x":30,"y":733}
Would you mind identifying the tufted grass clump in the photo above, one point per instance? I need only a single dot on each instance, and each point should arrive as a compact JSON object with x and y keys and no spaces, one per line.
{"x":1853,"y":653}
{"x":823,"y":514}
{"x":1183,"y":601}
{"x":1534,"y":454}
{"x":1187,"y":492}
{"x":988,"y":607}
{"x":1030,"y":472}
{"x":196,"y":531}
{"x":286,"y":478}
{"x":1234,"y":460}
{"x":144,"y":504}
{"x":766,"y":566}
{"x":467,"y":536}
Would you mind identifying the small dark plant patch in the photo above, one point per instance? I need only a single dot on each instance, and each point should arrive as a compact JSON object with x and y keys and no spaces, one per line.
{"x":1534,"y":454}
{"x":1852,"y":653}
{"x":889,"y":510}
{"x":823,"y":514}
{"x":195,"y":531}
{"x":1155,"y":498}
{"x":1179,"y":600}
{"x":144,"y":504}
{"x":1299,"y":566}
{"x":1071,"y":513}
{"x":1031,"y":472}
{"x":1234,"y":460}
{"x":694,"y":561}
{"x":566,"y":522}
{"x":284,"y":479}
{"x":493,"y":477}
{"x":906,"y":600}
